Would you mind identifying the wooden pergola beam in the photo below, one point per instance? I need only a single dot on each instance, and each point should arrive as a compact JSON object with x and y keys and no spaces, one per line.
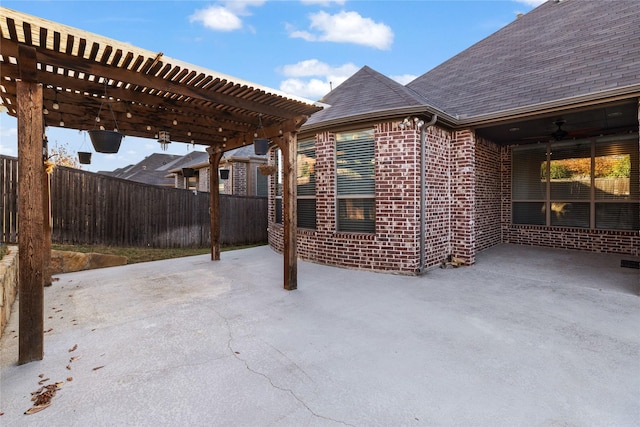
{"x":57,"y":59}
{"x":288,"y":145}
{"x":215,"y":155}
{"x":32,"y":236}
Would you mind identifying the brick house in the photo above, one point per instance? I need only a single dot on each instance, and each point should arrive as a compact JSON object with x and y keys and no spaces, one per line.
{"x":529,"y":136}
{"x":238,"y":171}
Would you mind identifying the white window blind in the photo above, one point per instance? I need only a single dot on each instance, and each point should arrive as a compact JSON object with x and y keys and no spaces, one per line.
{"x":616,"y":183}
{"x":589,"y":184}
{"x":306,"y":183}
{"x":355,"y":176}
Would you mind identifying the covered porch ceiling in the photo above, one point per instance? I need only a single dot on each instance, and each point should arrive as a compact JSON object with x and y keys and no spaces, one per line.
{"x":613,"y":117}
{"x":85,"y":74}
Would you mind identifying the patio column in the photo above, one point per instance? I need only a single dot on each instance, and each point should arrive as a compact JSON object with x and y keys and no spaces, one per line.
{"x":46,"y":205}
{"x":31,"y":237}
{"x":215,"y":154}
{"x":288,"y":144}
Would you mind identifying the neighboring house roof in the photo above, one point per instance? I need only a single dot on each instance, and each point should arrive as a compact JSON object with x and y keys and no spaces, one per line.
{"x":151,"y":170}
{"x":561,"y":49}
{"x":195,"y":158}
{"x":245,"y":152}
{"x":364,"y":92}
{"x":200,"y":159}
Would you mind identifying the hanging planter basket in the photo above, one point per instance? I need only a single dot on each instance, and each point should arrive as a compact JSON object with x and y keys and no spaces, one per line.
{"x":105,"y":141}
{"x":267,"y":169}
{"x":188,"y":172}
{"x":224,"y":173}
{"x":261,"y":146}
{"x":84,"y":157}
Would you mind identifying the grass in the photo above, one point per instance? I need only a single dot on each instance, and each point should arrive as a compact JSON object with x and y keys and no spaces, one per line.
{"x":135,"y":255}
{"x":3,"y":250}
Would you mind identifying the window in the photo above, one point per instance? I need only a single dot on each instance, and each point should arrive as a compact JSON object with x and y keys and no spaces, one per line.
{"x":585,"y":184}
{"x":355,"y":169}
{"x":306,"y":183}
{"x":262,"y":183}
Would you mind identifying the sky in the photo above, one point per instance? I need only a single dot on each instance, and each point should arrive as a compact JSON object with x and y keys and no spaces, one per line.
{"x":304,"y":47}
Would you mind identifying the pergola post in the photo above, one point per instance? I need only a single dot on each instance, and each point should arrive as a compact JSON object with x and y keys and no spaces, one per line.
{"x":290,"y":210}
{"x":46,"y":213}
{"x":215,"y":154}
{"x":31,"y":237}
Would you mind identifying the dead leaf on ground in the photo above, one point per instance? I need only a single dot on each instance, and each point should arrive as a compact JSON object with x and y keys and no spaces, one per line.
{"x":98,"y":367}
{"x":74,"y":358}
{"x":42,"y":397}
{"x":38,"y":408}
{"x":74,"y":348}
{"x":69,"y":379}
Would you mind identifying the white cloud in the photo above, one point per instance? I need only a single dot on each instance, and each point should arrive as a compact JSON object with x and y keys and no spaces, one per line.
{"x":403,"y":79}
{"x":323,"y":2}
{"x":226,"y":15}
{"x":313,"y":79}
{"x":217,"y":18}
{"x":532,"y":3}
{"x":346,"y":27}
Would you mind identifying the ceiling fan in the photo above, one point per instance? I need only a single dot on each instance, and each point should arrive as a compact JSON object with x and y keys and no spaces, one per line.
{"x":560,"y":133}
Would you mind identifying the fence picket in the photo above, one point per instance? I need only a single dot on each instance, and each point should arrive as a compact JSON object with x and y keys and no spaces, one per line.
{"x":90,"y":208}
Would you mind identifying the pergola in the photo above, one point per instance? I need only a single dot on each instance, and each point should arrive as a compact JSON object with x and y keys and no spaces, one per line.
{"x":55,"y":75}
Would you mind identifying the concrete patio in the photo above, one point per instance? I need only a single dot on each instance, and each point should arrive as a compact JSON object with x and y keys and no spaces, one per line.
{"x":526,"y":337}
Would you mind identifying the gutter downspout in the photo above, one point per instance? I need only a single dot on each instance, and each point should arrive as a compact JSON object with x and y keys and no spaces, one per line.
{"x":423,"y":161}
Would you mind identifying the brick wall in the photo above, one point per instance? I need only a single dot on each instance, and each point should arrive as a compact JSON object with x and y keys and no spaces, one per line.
{"x":396,"y":244}
{"x":203,"y":179}
{"x":488,"y":194}
{"x":463,"y":197}
{"x":239,"y":180}
{"x":467,"y":206}
{"x":438,"y":196}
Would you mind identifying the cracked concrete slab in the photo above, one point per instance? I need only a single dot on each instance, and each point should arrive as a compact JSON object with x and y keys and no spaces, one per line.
{"x":526,"y":337}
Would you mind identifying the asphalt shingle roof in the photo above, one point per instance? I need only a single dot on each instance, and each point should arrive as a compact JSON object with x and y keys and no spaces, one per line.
{"x":151,"y":170}
{"x":559,"y":50}
{"x":364,"y":92}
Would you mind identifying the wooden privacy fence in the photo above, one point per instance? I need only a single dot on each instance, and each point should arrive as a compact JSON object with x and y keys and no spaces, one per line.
{"x":89,"y":208}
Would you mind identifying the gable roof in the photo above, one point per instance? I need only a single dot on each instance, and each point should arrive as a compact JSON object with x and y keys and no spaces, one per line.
{"x":151,"y":170}
{"x":246,"y":152}
{"x":561,"y":49}
{"x":188,"y":161}
{"x":364,"y":92}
